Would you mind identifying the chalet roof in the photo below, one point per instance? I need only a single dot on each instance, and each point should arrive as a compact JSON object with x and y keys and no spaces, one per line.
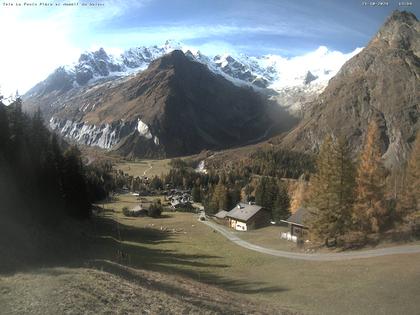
{"x":298,"y":217}
{"x":221,"y":214}
{"x":243,"y":211}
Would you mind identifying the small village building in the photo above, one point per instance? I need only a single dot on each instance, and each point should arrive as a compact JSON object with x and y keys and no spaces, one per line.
{"x":180,"y":199}
{"x":246,"y":217}
{"x":296,"y":222}
{"x":137,"y":211}
{"x":221,"y":218}
{"x":221,"y":214}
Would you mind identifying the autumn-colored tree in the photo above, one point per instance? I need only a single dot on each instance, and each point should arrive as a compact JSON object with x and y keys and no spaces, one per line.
{"x":299,"y":194}
{"x":410,"y":197}
{"x":248,"y":190}
{"x":370,"y":212}
{"x":331,"y":190}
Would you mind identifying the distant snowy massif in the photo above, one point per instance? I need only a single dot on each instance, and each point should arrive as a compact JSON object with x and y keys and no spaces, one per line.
{"x":289,"y":81}
{"x":73,"y":98}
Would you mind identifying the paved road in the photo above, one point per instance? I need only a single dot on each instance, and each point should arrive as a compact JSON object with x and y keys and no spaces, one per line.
{"x":406,"y":249}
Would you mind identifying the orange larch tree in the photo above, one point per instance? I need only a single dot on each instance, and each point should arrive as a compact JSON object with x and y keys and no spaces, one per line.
{"x":370,"y":213}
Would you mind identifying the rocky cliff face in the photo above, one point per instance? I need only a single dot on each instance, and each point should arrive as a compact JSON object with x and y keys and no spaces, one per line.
{"x":175,"y":107}
{"x":381,"y":83}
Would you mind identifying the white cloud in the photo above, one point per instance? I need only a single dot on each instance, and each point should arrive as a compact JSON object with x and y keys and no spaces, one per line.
{"x":322,"y":62}
{"x":37,"y":40}
{"x":31,"y":49}
{"x":153,"y":34}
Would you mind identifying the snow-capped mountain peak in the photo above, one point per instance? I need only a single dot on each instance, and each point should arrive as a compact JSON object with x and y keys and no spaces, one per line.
{"x":305,"y":75}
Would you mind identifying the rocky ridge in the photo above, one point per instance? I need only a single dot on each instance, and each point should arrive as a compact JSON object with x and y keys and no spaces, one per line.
{"x":381,"y":83}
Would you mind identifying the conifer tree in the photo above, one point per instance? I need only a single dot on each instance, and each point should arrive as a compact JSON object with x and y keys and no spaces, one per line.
{"x":234,"y":197}
{"x":345,"y":173}
{"x":331,"y":190}
{"x":74,"y":185}
{"x":370,"y":212}
{"x":219,"y":199}
{"x":196,"y":193}
{"x":266,"y":193}
{"x":281,"y":208}
{"x":261,"y":191}
{"x":410,"y":199}
{"x":4,"y":131}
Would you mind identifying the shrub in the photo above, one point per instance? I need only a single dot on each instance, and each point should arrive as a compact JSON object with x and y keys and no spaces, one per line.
{"x":126,"y":212}
{"x":186,"y":208}
{"x":401,"y":233}
{"x":413,"y":222}
{"x":352,"y":240}
{"x":155,"y":209}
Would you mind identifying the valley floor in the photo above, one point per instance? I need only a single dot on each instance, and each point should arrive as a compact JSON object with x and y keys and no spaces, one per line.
{"x":143,"y":263}
{"x":149,"y":168}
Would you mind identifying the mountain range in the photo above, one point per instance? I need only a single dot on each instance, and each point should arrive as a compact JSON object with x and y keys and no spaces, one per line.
{"x":177,"y":106}
{"x":290,"y":82}
{"x":173,"y":100}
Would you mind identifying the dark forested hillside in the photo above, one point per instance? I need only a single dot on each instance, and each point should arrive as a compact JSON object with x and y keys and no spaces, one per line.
{"x":39,"y":180}
{"x":281,"y":163}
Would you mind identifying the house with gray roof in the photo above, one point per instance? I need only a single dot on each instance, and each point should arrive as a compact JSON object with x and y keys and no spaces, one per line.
{"x":246,"y":217}
{"x":297,"y":223}
{"x":220,"y":217}
{"x":221,"y":214}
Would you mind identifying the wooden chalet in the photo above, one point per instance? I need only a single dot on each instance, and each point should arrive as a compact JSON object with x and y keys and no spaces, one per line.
{"x":220,"y":217}
{"x":296,"y":222}
{"x":246,"y":217}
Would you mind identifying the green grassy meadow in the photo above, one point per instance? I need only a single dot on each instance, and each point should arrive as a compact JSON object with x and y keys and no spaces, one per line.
{"x":147,"y":168}
{"x":179,"y":244}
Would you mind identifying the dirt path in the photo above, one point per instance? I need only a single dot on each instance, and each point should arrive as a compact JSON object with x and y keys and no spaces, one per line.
{"x":150,"y":167}
{"x":396,"y":250}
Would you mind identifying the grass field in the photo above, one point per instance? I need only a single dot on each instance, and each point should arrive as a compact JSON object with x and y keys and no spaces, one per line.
{"x":269,"y":237}
{"x":147,"y":168}
{"x":179,"y":244}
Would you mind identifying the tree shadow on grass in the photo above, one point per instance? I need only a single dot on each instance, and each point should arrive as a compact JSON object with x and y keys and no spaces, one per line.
{"x":194,"y":297}
{"x":166,"y":216}
{"x":193,"y":266}
{"x":131,"y":246}
{"x":106,"y":227}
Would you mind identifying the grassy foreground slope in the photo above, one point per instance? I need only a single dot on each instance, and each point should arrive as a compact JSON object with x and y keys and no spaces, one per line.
{"x":176,"y":265}
{"x":116,"y":290}
{"x":179,"y":244}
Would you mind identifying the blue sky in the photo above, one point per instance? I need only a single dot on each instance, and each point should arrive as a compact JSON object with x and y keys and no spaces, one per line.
{"x":257,"y":27}
{"x":42,"y":38}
